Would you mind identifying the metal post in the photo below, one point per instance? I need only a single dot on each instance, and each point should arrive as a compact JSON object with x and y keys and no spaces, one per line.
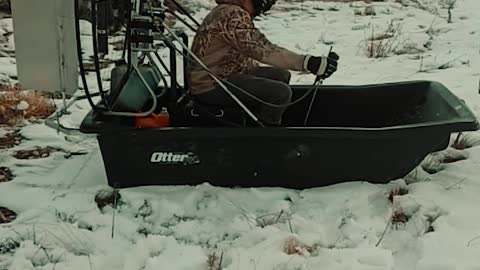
{"x":103,"y":15}
{"x":184,"y":37}
{"x":173,"y":95}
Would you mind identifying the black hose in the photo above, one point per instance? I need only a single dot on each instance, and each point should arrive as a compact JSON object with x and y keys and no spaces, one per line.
{"x":127,"y":29}
{"x":80,"y":58}
{"x":127,"y":49}
{"x":95,"y":52}
{"x":128,"y":37}
{"x":185,"y":61}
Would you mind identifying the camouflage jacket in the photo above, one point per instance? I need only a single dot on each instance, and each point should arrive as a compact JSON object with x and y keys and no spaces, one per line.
{"x":228,"y":43}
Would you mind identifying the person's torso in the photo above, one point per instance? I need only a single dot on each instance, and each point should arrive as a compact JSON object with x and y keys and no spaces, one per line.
{"x":215,"y":52}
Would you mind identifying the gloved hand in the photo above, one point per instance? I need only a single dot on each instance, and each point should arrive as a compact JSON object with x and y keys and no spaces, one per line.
{"x":320,"y":65}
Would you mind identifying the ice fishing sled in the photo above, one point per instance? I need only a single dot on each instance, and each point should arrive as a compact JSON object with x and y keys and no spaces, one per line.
{"x":333,"y":134}
{"x":375,"y":133}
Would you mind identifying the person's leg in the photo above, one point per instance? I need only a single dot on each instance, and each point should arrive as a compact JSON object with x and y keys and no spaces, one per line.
{"x":273,"y":73}
{"x":266,"y":90}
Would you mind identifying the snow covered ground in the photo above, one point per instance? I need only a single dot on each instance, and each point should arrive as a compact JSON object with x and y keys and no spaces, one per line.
{"x":432,"y":223}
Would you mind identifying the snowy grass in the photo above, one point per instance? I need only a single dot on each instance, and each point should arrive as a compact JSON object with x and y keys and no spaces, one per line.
{"x":67,"y":219}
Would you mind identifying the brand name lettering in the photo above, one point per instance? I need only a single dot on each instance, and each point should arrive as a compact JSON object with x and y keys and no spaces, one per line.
{"x":173,"y":158}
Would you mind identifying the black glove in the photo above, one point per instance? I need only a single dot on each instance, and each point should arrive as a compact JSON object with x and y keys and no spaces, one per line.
{"x":320,"y":65}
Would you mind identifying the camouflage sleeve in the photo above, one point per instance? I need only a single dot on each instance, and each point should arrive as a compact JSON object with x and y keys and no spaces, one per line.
{"x":240,"y":32}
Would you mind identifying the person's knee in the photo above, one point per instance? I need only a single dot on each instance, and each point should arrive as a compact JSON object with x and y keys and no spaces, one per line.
{"x":285,"y":75}
{"x":282,"y":75}
{"x":284,"y":93}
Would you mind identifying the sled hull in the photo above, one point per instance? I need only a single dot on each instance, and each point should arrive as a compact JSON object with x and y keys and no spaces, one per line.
{"x":291,"y":158}
{"x":347,"y":139}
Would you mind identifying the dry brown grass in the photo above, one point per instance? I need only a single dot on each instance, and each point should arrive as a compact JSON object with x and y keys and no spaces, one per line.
{"x":294,"y":246}
{"x":384,"y":43}
{"x":39,"y":105}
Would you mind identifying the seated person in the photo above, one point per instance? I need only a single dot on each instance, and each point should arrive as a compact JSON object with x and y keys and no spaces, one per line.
{"x":230,"y":46}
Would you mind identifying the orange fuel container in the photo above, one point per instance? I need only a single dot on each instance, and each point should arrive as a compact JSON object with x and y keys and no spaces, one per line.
{"x":153,"y":121}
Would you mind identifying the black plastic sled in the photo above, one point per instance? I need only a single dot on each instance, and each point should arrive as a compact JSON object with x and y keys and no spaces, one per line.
{"x":375,"y":133}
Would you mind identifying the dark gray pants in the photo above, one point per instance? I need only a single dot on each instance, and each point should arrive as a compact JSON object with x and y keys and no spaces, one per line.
{"x":266,"y":83}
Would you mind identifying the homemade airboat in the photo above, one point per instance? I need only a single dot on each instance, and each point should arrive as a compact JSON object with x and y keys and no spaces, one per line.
{"x":330,"y":134}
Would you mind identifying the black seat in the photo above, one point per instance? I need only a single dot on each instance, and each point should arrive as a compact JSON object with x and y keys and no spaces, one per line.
{"x":191,"y":112}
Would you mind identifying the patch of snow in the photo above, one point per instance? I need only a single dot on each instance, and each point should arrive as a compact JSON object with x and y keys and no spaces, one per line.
{"x":8,"y":67}
{"x":6,"y":25}
{"x":337,"y":227}
{"x":85,"y":28}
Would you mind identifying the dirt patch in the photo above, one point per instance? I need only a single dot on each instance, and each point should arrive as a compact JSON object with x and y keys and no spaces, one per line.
{"x":7,"y":215}
{"x":5,"y":175}
{"x":36,"y":153}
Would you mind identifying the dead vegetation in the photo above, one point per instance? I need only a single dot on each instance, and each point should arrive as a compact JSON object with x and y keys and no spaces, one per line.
{"x":437,"y":161}
{"x":432,"y":164}
{"x":425,"y":5}
{"x":433,"y":7}
{"x":50,"y":243}
{"x":8,"y":245}
{"x":64,"y":217}
{"x":17,"y":105}
{"x":430,"y":227}
{"x":449,"y":5}
{"x":271,"y":219}
{"x":35,"y":153}
{"x":465,"y":141}
{"x":7,"y":215}
{"x":6,"y":174}
{"x":214,"y":262}
{"x":293,"y":246}
{"x":107,"y":197}
{"x":144,"y":211}
{"x":265,"y":220}
{"x":383,"y":43}
{"x":399,"y":218}
{"x":397,"y":191}
{"x":10,"y":140}
{"x":452,"y":156}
